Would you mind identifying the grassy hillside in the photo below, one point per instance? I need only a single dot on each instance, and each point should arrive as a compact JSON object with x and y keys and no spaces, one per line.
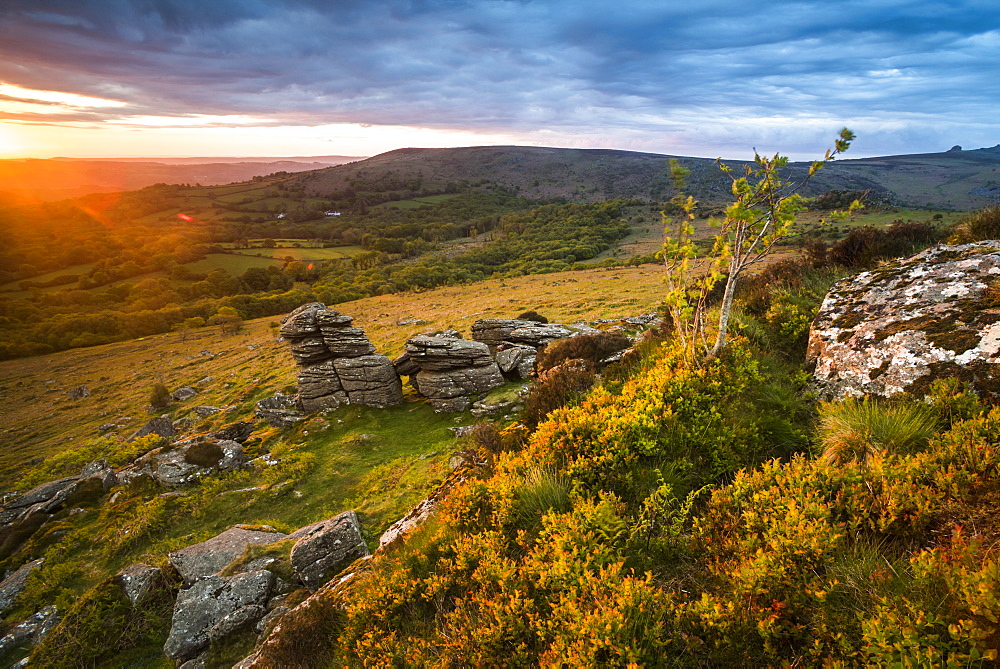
{"x":39,"y":419}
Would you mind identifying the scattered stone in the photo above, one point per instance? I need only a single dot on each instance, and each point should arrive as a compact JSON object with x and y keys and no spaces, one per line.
{"x":160,"y":426}
{"x":213,"y":607}
{"x":183,"y":393}
{"x":208,"y":557}
{"x":323,"y":549}
{"x":483,"y":408}
{"x":205,"y":381}
{"x":79,"y":392}
{"x":899,"y":327}
{"x":137,"y":581}
{"x":279,"y":411}
{"x":205,"y":411}
{"x":462,"y":430}
{"x":239,"y":432}
{"x":106,"y":427}
{"x":13,"y":585}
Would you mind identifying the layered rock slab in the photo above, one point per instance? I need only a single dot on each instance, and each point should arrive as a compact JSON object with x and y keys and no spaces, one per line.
{"x":901,"y":326}
{"x":451,"y":370}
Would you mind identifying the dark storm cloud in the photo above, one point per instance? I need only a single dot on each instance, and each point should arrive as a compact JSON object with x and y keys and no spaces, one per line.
{"x":689,"y":74}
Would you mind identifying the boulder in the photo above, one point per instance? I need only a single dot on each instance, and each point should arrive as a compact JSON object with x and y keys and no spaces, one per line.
{"x":319,"y":380}
{"x":239,"y":432}
{"x":14,"y":585}
{"x":137,"y":581}
{"x":901,"y":326}
{"x":301,"y":322}
{"x":338,"y":362}
{"x":183,"y":393}
{"x":213,"y":607}
{"x":309,"y":350}
{"x":516,"y":360}
{"x":280,"y":411}
{"x":347,"y":342}
{"x":405,"y":366}
{"x":161,"y":426}
{"x":209,"y":557}
{"x":539,"y":334}
{"x":370,"y":380}
{"x":323,"y":549}
{"x":205,"y":411}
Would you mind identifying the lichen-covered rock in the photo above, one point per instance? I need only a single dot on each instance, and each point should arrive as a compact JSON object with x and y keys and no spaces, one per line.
{"x":279,"y":411}
{"x":213,"y":607}
{"x":208,"y":557}
{"x":901,"y":326}
{"x":137,"y":581}
{"x":405,"y":366}
{"x":538,"y":334}
{"x":456,"y":382}
{"x":13,"y":585}
{"x":30,"y":631}
{"x":301,"y":321}
{"x":239,"y":431}
{"x":323,"y":549}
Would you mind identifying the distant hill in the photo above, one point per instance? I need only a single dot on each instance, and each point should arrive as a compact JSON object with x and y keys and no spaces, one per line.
{"x":60,"y":178}
{"x":954,"y":179}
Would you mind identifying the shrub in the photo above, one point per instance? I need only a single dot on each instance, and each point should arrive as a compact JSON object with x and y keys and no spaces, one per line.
{"x":855,"y":430}
{"x":159,"y":396}
{"x":533,"y":315}
{"x":592,"y":348}
{"x":977,"y":226}
{"x":555,"y":387}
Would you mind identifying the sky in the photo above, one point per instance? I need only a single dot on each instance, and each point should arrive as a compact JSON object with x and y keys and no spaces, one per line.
{"x":102,"y":78}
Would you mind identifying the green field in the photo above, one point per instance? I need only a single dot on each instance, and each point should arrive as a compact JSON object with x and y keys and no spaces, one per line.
{"x":417,"y":201}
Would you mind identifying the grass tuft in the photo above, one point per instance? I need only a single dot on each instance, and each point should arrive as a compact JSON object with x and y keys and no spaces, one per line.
{"x":854,"y":430}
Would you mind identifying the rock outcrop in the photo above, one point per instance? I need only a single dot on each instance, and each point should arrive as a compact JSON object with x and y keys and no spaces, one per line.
{"x":451,"y":370}
{"x":901,"y":326}
{"x":338,"y":364}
